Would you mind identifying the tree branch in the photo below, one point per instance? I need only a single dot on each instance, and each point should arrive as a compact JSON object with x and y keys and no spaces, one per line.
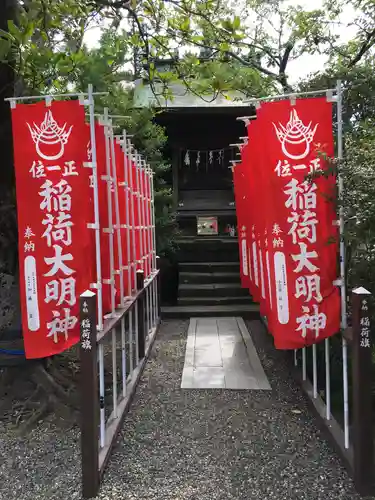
{"x":252,"y":64}
{"x":366,"y":46}
{"x":284,"y":61}
{"x":115,"y":4}
{"x":280,"y":76}
{"x":215,"y":27}
{"x":285,"y":58}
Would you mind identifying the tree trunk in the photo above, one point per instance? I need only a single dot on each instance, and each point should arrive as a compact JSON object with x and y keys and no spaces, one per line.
{"x":8,"y":220}
{"x":8,"y":11}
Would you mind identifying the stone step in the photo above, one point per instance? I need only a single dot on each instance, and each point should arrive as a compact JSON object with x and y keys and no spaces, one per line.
{"x":214,"y":301}
{"x":204,"y":254}
{"x":208,"y":240}
{"x":208,"y":267}
{"x":202,"y":278}
{"x":250,"y":311}
{"x":212,"y":290}
{"x":208,"y":249}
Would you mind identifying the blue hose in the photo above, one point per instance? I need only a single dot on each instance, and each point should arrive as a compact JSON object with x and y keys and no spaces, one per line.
{"x":12,"y":353}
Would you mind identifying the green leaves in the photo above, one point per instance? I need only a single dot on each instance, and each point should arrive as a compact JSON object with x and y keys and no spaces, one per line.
{"x":236,"y":23}
{"x":14,"y":31}
{"x":185,"y":25}
{"x":28,"y":32}
{"x":5,"y":47}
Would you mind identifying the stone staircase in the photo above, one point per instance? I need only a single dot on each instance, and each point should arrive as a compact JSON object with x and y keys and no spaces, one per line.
{"x":210,"y":288}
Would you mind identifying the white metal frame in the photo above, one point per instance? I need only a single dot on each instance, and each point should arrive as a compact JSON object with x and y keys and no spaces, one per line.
{"x":333,"y":95}
{"x":146,"y":222}
{"x":108,"y":178}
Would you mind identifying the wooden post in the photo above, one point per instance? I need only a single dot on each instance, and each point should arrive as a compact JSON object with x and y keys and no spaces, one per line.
{"x":141,"y":315}
{"x":158,"y":288}
{"x":89,"y":396}
{"x":363,"y":443}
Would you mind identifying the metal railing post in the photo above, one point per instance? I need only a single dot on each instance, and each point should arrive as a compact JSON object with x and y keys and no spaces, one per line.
{"x":141,"y":315}
{"x":158,"y":290}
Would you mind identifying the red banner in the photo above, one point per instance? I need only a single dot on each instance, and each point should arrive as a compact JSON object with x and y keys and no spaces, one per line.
{"x":252,"y":210}
{"x":254,"y":196}
{"x":106,"y":219}
{"x":125,"y":214}
{"x":300,"y":215}
{"x":54,"y":241}
{"x":259,"y":194}
{"x":240,"y":193}
{"x":146,"y":222}
{"x":142,"y":218}
{"x":130,"y":218}
{"x":149,"y":218}
{"x":136,"y":216}
{"x":124,"y":232}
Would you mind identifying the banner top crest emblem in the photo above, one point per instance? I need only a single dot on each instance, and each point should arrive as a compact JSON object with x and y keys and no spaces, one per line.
{"x":49,"y":133}
{"x":294,"y":134}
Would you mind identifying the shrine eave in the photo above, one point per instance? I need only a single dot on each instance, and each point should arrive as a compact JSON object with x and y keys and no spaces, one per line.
{"x":184,"y":101}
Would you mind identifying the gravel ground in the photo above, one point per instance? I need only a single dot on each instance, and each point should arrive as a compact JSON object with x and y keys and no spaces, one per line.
{"x":190,"y":445}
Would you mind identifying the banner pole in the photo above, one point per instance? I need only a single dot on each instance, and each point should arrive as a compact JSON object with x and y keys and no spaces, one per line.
{"x":132,"y":193}
{"x":143,"y":218}
{"x":153,"y":221}
{"x":139,"y":210}
{"x":148,"y":223}
{"x":127,"y":203}
{"x":132,"y":334}
{"x":91,"y":105}
{"x":149,"y":241}
{"x":148,"y":254}
{"x":50,"y":97}
{"x":144,"y":223}
{"x":147,"y":227}
{"x":149,"y":232}
{"x":123,"y":142}
{"x":139,"y":324}
{"x":156,"y":290}
{"x":342,"y":263}
{"x":117,"y":216}
{"x":110,"y":214}
{"x":288,"y":96}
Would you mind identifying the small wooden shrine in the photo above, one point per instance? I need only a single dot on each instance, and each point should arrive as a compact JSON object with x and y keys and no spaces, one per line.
{"x":200,"y":131}
{"x":203,"y":279}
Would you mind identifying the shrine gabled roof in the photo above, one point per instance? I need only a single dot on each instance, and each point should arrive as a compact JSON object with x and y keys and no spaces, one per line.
{"x":144,"y":96}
